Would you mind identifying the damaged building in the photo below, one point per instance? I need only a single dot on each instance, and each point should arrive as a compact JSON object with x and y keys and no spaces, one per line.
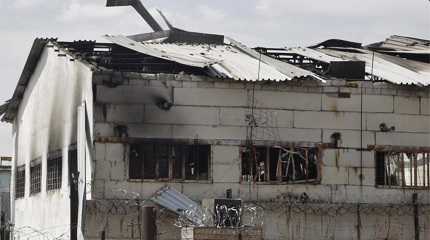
{"x":330,"y":141}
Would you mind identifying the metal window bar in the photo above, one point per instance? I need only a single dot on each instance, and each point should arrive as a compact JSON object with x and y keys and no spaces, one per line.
{"x":54,"y":176}
{"x":410,"y":171}
{"x":402,"y":156}
{"x":407,"y":169}
{"x":291,"y":164}
{"x":423,"y":159}
{"x":428,"y":169}
{"x":35,"y":179}
{"x":20,"y":183}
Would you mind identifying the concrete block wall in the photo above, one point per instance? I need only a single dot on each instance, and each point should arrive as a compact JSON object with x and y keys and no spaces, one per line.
{"x":215,"y":111}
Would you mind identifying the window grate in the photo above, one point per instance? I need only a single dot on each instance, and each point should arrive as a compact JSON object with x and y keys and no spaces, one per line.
{"x":53,"y":180}
{"x":35,"y":179}
{"x":20,"y":182}
{"x":403,"y":169}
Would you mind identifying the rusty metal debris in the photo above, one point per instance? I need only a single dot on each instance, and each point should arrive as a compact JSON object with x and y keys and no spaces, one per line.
{"x":280,"y":164}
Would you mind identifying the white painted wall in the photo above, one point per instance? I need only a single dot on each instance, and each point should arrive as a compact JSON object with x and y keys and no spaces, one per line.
{"x":46,"y":122}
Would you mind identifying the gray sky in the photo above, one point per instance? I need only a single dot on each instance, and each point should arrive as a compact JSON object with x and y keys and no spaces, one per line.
{"x":274,"y":23}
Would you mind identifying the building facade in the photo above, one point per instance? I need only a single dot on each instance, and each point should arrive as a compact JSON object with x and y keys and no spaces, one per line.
{"x":342,"y":156}
{"x":320,"y":146}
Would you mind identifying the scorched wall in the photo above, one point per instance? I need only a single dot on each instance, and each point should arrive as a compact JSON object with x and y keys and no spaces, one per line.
{"x":344,"y":201}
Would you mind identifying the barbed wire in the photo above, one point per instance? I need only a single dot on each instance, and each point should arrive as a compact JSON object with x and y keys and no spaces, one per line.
{"x":292,"y":206}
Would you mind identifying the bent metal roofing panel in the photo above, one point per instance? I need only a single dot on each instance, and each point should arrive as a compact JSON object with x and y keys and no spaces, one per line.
{"x":231,"y":60}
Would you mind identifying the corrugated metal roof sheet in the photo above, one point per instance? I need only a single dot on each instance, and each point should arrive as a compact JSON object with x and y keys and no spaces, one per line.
{"x":178,"y":203}
{"x":312,"y":54}
{"x":403,"y":44}
{"x":390,"y":68}
{"x":232,"y":60}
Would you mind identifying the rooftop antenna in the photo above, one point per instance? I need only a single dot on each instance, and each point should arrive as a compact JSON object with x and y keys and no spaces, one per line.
{"x":138,"y":6}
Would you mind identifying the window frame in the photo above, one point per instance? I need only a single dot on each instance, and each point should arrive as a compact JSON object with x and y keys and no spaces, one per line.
{"x":268,"y":179}
{"x":35,"y":187}
{"x":20,"y":177}
{"x":171,"y":162}
{"x":54,"y":180}
{"x":413,"y":175}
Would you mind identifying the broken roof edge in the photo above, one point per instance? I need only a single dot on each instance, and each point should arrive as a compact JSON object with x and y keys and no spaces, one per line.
{"x":288,"y":69}
{"x":337,"y":43}
{"x":100,"y":77}
{"x":9,"y":109}
{"x":283,"y":70}
{"x":12,"y":105}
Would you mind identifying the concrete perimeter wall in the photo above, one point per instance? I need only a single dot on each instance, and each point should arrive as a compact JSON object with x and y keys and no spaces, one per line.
{"x":303,"y":112}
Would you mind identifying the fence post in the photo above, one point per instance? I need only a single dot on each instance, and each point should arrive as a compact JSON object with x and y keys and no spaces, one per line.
{"x":416,"y":216}
{"x":358,"y":222}
{"x":149,"y":224}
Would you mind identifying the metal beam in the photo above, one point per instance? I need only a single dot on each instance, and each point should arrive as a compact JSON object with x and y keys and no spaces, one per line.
{"x":165,"y":20}
{"x":138,"y":6}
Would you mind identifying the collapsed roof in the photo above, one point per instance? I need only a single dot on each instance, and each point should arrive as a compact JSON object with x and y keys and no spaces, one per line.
{"x":404,"y":45}
{"x":407,"y":66}
{"x":216,"y":55}
{"x":227,"y":60}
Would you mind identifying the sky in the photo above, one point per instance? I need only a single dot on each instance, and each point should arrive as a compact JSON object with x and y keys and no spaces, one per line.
{"x":269,"y":23}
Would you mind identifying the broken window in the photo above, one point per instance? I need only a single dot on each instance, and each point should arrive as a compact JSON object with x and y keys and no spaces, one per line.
{"x":279,"y":164}
{"x":20,"y":182}
{"x":35,"y":177}
{"x":166,"y":161}
{"x":53,"y":180}
{"x":403,"y":169}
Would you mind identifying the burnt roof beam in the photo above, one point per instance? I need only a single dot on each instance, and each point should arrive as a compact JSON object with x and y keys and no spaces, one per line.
{"x":138,"y":6}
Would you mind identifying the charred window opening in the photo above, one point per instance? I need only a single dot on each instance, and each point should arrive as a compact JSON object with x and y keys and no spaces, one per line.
{"x":54,"y":169}
{"x":280,"y":164}
{"x":403,"y":169}
{"x":169,"y":161}
{"x":20,"y":182}
{"x":35,"y":177}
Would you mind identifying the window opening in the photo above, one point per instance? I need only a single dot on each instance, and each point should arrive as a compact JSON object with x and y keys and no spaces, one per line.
{"x":168,"y":161}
